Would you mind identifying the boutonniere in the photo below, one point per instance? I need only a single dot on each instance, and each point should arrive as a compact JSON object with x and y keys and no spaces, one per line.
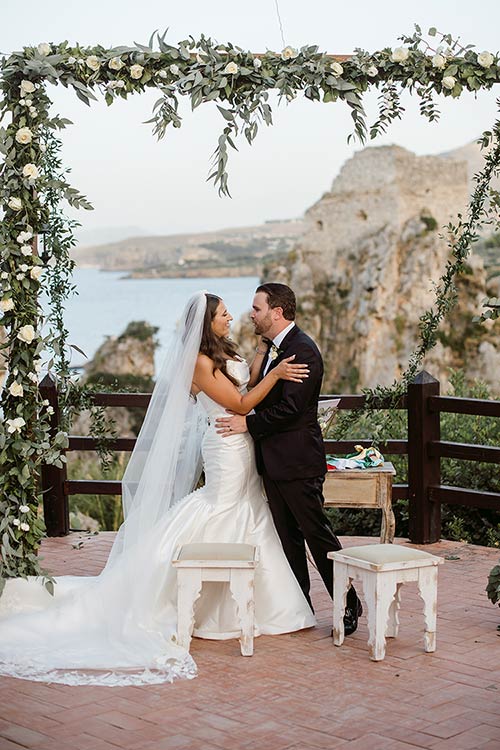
{"x":274,"y":352}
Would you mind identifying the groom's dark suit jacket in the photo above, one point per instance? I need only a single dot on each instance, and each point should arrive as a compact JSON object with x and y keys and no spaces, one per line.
{"x":288,"y":440}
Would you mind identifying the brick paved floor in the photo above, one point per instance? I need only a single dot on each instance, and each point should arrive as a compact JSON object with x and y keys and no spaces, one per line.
{"x":297,"y":691}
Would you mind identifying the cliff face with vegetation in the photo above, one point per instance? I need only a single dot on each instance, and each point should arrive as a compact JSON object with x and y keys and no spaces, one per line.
{"x":365,"y":267}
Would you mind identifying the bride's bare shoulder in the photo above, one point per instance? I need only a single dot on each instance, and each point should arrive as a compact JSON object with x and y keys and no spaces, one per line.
{"x":204,"y":363}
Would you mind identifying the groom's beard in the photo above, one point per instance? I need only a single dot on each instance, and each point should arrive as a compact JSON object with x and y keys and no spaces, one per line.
{"x":263,"y":327}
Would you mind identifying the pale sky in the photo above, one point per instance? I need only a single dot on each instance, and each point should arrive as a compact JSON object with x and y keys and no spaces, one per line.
{"x":160,"y":187}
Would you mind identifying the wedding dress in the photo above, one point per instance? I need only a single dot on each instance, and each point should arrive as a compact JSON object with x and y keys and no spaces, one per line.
{"x":119,"y":628}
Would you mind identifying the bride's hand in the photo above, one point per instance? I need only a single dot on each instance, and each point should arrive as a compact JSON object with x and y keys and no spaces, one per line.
{"x":288,"y":371}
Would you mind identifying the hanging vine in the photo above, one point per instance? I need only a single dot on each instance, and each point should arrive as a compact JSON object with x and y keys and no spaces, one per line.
{"x":34,"y":187}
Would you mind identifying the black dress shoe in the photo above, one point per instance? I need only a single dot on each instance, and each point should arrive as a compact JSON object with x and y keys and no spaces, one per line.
{"x":351,"y":618}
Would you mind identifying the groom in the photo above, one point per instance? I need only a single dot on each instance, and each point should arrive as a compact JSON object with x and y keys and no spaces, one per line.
{"x":289,"y":445}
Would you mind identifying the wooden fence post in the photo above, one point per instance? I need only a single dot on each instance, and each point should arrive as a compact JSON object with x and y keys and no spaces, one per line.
{"x":423,"y":469}
{"x":55,"y":501}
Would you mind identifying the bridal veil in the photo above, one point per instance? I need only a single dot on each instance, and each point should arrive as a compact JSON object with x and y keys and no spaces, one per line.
{"x":108,"y":629}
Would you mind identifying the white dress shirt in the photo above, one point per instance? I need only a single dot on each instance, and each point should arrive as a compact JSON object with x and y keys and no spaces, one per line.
{"x":277,"y":341}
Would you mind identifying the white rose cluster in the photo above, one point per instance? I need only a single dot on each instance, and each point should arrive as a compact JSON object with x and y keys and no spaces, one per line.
{"x":231,"y":69}
{"x":24,"y":136}
{"x":136,"y":71}
{"x":485,"y":59}
{"x":289,"y":53}
{"x":6,"y":304}
{"x":15,"y":203}
{"x":449,"y":82}
{"x":16,"y":389}
{"x":31,"y":172}
{"x":116,"y":63}
{"x":400,"y":54}
{"x":26,"y":334}
{"x":15,"y":425}
{"x":93,"y":63}
{"x":438,"y":61}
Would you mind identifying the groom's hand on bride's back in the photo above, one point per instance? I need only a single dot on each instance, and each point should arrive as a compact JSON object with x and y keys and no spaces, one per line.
{"x":233,"y":425}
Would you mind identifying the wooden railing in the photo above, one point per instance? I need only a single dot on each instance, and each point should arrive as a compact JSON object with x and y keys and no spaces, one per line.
{"x":424,"y":448}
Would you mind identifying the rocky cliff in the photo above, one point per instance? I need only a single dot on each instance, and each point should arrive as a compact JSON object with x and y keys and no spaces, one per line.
{"x":365,"y":268}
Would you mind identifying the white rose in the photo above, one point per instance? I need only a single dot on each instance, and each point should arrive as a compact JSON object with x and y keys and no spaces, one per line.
{"x":24,"y":508}
{"x":438,"y":61}
{"x":23,"y":237}
{"x":46,"y":402}
{"x":174,"y":69}
{"x":116,"y":63}
{"x":27,"y":87}
{"x":20,"y":276}
{"x":33,"y":111}
{"x":24,"y":136}
{"x":136,"y":71}
{"x":400,"y":54}
{"x":231,"y":69}
{"x":15,"y":204}
{"x":50,"y":409}
{"x":35,"y":272}
{"x":4,"y":275}
{"x":120,"y":84}
{"x":92,"y":62}
{"x":372,"y":71}
{"x":15,"y":425}
{"x":16,"y":389}
{"x":22,"y":102}
{"x":33,"y":377}
{"x":25,"y":527}
{"x":71,"y":60}
{"x":16,"y":522}
{"x":7,"y":304}
{"x":23,"y":267}
{"x":26,"y":334}
{"x":485,"y":59}
{"x":257,"y":63}
{"x":44,"y":49}
{"x":336,"y":68}
{"x":449,"y":82}
{"x":164,"y":74}
{"x":31,"y":172}
{"x":28,"y":102}
{"x":26,"y":250}
{"x":289,"y":53}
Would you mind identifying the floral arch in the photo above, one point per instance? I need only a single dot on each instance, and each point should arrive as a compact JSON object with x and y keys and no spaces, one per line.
{"x":36,"y":237}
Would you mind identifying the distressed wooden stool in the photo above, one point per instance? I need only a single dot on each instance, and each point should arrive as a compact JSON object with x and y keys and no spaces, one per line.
{"x":382,"y":569}
{"x":234,"y":563}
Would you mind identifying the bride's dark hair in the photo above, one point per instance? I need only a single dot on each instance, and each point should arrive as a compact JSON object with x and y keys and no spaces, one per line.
{"x":217,"y":348}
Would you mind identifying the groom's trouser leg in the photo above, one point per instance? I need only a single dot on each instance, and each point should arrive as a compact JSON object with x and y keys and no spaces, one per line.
{"x":292,"y":539}
{"x":300,"y":502}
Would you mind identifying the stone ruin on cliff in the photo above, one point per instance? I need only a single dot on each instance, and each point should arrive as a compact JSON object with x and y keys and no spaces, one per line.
{"x":364,"y":271}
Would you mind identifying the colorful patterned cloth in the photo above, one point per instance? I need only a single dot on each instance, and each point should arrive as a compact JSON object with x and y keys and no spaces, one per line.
{"x":364,"y":458}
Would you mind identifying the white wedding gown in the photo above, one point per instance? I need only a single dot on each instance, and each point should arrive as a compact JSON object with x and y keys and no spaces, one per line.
{"x":85,"y":633}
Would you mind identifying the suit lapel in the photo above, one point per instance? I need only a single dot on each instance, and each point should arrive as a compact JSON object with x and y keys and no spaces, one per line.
{"x":287,"y":341}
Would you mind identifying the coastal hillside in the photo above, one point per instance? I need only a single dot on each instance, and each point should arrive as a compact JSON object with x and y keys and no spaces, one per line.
{"x":240,"y":251}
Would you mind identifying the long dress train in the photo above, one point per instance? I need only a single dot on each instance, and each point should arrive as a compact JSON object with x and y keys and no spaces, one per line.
{"x":85,"y":633}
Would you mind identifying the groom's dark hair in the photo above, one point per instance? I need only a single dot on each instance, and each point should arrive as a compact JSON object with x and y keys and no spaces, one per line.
{"x":280,"y":295}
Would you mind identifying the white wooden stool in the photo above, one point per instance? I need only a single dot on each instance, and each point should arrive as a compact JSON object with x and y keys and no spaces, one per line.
{"x":383,"y":568}
{"x":200,"y":562}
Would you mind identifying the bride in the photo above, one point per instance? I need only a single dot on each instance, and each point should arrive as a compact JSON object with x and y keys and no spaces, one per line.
{"x":119,"y":628}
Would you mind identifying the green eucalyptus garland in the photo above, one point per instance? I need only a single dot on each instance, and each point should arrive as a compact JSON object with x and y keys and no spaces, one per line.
{"x":34,"y":185}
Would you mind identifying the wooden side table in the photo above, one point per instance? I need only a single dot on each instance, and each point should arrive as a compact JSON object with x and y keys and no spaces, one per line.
{"x":364,"y":488}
